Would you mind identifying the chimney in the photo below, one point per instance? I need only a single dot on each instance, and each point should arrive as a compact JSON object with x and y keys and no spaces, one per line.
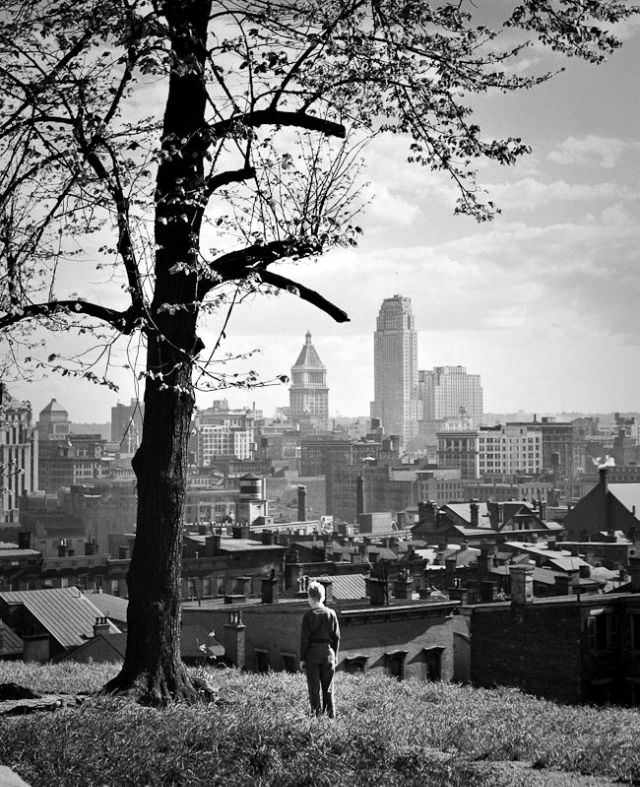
{"x":327,"y":584}
{"x":425,"y":512}
{"x":212,"y":545}
{"x":302,"y":503}
{"x":542,"y":510}
{"x":234,"y":639}
{"x":101,"y":626}
{"x":268,"y":538}
{"x":634,"y":572}
{"x":521,"y":576}
{"x":270,"y":589}
{"x":475,"y":513}
{"x":24,"y":539}
{"x":604,"y":485}
{"x":486,"y":560}
{"x":360,"y":495}
{"x":562,"y":584}
{"x":402,"y":585}
{"x":377,"y":590}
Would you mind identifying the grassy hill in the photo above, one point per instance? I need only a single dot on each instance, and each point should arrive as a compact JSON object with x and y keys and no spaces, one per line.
{"x":258,"y":732}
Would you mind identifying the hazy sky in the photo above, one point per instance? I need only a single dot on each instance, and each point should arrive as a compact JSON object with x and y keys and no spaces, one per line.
{"x":542,"y":302}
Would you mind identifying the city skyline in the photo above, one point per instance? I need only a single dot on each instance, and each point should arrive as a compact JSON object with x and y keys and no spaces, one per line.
{"x":541,"y":302}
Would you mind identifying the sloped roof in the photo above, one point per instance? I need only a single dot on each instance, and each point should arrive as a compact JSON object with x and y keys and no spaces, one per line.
{"x":116,"y":642}
{"x":112,"y":607}
{"x":463,"y":511}
{"x":10,"y":642}
{"x":16,"y":552}
{"x":347,"y":587}
{"x":53,"y":407}
{"x":543,"y":575}
{"x":628,"y":495}
{"x":66,"y":613}
{"x":563,"y":559}
{"x":308,"y":358}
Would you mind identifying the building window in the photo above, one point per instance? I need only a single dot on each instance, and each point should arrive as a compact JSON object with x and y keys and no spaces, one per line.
{"x":601,"y":631}
{"x":356,"y":665}
{"x":433,"y":663}
{"x":261,"y":660}
{"x":394,"y":663}
{"x":289,"y":662}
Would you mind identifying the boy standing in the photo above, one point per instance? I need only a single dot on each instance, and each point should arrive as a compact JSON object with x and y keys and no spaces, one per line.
{"x":319,"y":643}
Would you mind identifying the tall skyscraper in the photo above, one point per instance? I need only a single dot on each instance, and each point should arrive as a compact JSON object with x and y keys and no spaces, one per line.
{"x":395,"y":366}
{"x":309,"y":395}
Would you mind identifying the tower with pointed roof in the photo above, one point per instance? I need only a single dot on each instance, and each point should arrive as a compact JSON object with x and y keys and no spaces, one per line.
{"x":53,"y":422}
{"x":309,"y":395}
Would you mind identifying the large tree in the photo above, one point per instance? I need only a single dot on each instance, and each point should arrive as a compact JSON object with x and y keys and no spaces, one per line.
{"x":151,"y":131}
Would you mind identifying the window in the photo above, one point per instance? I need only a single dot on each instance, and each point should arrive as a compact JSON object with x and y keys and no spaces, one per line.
{"x":289,"y":662}
{"x":601,"y":631}
{"x":394,"y":663}
{"x":261,"y":660}
{"x":433,"y":663}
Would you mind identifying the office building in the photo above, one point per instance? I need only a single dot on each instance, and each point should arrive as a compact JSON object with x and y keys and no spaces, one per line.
{"x":18,"y":455}
{"x":309,"y":395}
{"x":450,"y":392}
{"x":396,"y":369}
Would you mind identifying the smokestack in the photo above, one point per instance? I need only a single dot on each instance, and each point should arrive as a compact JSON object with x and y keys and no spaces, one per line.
{"x":603,"y":480}
{"x":302,"y":503}
{"x":475,"y":513}
{"x":360,"y":495}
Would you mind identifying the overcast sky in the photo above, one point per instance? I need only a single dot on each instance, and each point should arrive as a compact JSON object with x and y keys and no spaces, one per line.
{"x":543,"y":302}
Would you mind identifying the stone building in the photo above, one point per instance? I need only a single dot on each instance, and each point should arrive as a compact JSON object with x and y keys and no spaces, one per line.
{"x":309,"y":394}
{"x":18,"y":455}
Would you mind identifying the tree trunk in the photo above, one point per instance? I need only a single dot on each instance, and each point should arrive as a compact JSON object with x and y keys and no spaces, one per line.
{"x":153,"y":670}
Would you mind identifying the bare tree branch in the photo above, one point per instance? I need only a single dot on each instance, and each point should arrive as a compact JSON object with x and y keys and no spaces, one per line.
{"x":311,"y":296}
{"x":124,"y":321}
{"x":277,"y":117}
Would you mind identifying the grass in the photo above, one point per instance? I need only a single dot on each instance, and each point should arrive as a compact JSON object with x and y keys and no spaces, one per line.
{"x":258,"y":732}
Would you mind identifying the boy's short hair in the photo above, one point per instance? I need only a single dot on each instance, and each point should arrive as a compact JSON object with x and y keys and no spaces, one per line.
{"x":315,"y":591}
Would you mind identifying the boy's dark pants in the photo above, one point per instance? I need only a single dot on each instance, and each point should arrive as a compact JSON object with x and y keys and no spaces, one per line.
{"x":320,"y":679}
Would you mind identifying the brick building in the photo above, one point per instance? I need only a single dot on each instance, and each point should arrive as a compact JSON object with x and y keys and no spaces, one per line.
{"x":406,"y":639}
{"x":569,"y":649}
